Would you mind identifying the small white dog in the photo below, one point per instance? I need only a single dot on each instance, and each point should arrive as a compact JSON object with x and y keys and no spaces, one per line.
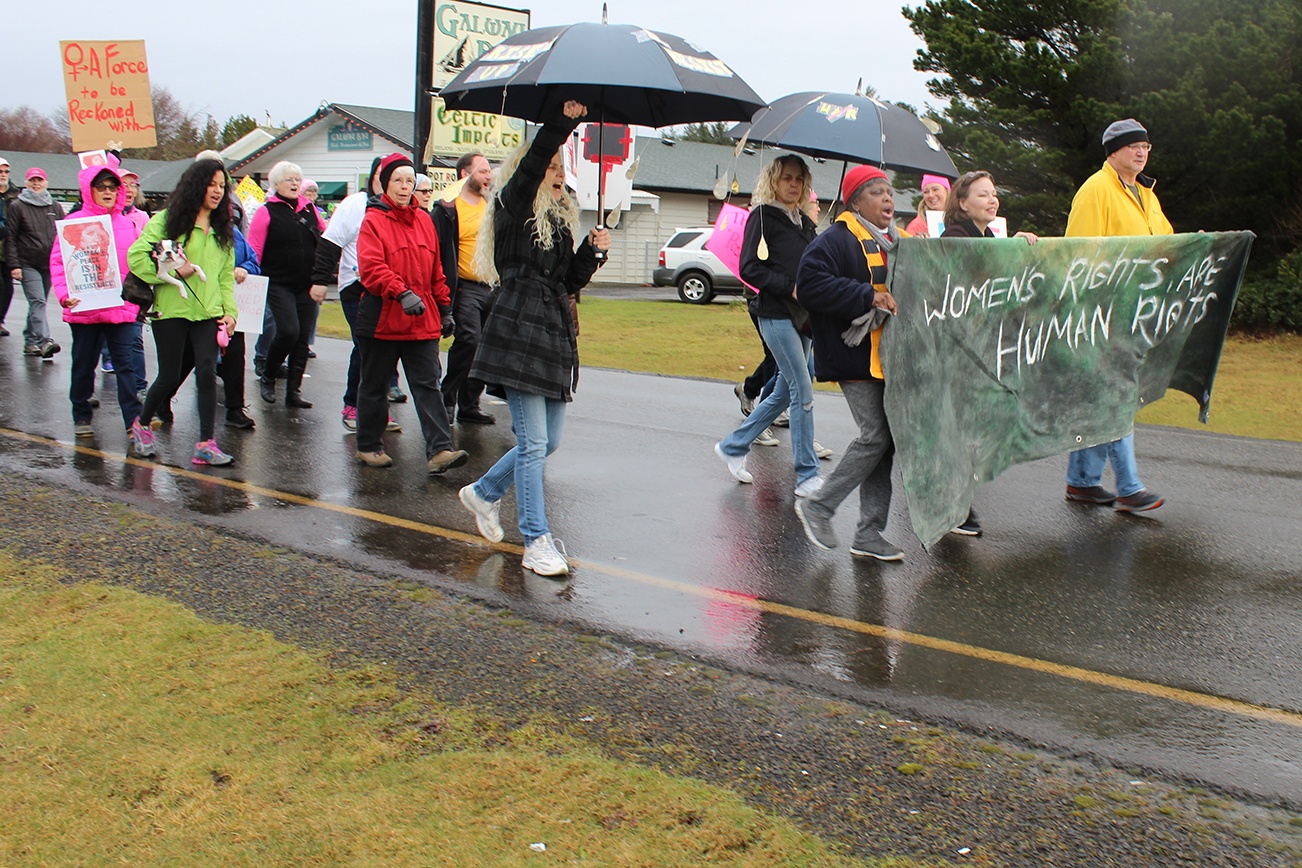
{"x":169,"y":256}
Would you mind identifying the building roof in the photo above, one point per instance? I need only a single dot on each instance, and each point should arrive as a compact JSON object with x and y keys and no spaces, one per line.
{"x":386,"y":123}
{"x":248,"y":143}
{"x":396,"y":125}
{"x":157,"y":177}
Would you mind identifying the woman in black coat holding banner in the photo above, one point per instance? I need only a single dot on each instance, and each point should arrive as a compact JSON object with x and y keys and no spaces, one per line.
{"x":528,"y":347}
{"x":972,"y":206}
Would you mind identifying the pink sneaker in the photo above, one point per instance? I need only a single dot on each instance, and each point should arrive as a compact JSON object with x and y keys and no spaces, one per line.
{"x":208,"y":452}
{"x":350,"y":417}
{"x":142,"y":439}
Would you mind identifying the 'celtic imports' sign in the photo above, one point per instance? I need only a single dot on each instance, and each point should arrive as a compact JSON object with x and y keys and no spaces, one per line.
{"x":348,"y":137}
{"x":1003,"y":352}
{"x":454,"y":132}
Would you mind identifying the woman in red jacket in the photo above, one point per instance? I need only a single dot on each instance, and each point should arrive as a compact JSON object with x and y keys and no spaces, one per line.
{"x":405,"y":310}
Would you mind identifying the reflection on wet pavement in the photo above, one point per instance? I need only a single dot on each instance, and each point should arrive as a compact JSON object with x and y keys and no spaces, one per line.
{"x":1203,"y":596}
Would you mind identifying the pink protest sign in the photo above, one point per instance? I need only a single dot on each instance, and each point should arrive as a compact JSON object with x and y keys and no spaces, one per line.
{"x":725,"y":241}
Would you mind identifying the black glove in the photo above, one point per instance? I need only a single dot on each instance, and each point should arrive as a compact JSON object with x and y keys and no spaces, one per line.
{"x":445,"y":316}
{"x":411,"y":303}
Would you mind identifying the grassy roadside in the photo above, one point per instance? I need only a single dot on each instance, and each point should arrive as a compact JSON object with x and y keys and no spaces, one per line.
{"x":1258,"y":389}
{"x":133,"y":732}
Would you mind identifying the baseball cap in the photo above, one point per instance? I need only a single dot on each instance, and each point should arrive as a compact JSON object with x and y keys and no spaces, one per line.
{"x":37,"y":172}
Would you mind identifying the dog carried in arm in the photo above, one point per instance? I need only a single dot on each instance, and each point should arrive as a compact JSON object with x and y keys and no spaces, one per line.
{"x":170,"y":256}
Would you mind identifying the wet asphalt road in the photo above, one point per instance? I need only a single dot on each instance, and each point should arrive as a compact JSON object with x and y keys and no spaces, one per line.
{"x":1171,"y":641}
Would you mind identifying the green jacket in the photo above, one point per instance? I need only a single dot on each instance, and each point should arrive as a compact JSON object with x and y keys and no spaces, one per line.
{"x":210,"y":300}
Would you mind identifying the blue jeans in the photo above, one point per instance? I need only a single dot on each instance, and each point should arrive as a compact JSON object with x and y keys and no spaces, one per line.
{"x":263,"y":343}
{"x":537,"y":422}
{"x":137,"y":356}
{"x":36,"y":286}
{"x":1085,"y":466}
{"x":794,"y":391}
{"x":86,"y":340}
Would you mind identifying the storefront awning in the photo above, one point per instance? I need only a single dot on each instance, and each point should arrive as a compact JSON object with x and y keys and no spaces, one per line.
{"x":332,"y":189}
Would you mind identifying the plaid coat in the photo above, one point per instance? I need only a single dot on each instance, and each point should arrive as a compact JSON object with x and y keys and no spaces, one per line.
{"x":528,"y":342}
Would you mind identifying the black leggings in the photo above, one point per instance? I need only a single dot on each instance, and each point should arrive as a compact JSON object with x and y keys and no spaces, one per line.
{"x":294,"y":313}
{"x":754,"y":384}
{"x":171,"y":338}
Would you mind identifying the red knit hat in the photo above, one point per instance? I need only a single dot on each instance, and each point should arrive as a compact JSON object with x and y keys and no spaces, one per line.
{"x":390,"y":164}
{"x":856,"y":178}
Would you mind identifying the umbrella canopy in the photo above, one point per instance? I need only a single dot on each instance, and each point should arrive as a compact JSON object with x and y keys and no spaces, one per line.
{"x":622,"y":73}
{"x":846,"y":126}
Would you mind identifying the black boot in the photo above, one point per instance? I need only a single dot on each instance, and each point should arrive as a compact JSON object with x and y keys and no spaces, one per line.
{"x":267,"y":388}
{"x":293,"y":387}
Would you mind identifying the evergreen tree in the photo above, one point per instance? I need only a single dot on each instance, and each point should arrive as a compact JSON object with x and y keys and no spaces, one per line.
{"x":712,"y":134}
{"x":1218,"y":85}
{"x":237,"y":127}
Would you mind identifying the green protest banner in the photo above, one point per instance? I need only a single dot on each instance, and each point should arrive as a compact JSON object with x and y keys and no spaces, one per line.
{"x":1003,"y":352}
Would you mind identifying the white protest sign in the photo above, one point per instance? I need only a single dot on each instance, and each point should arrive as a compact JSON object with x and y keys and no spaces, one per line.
{"x":90,"y":262}
{"x":935,"y":223}
{"x":592,"y":152}
{"x":251,"y":302}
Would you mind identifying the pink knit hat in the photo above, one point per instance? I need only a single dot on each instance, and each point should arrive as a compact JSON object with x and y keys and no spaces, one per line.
{"x":935,"y":179}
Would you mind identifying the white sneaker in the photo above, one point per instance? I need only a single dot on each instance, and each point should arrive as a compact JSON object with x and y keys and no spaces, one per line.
{"x":736,"y":465}
{"x":822,"y":451}
{"x":543,"y":558}
{"x":767,"y":438}
{"x":486,"y":514}
{"x":809,"y":487}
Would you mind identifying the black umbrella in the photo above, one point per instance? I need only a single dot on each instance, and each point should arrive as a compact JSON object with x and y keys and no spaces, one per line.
{"x":623,"y":73}
{"x":845,"y":126}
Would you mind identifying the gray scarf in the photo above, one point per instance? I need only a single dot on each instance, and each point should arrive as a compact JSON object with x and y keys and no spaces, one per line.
{"x":884,"y":241}
{"x":40,"y":199}
{"x":873,"y":319}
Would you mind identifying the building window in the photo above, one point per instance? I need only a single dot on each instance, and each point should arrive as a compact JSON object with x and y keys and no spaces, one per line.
{"x":714,"y":206}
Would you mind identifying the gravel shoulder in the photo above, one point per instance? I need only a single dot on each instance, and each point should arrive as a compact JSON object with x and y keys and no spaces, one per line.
{"x":849,"y":773}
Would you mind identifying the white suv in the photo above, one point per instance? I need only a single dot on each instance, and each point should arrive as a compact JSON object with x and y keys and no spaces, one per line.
{"x":698,"y":273}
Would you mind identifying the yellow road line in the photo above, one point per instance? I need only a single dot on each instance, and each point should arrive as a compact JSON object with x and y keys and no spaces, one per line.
{"x":976,"y":652}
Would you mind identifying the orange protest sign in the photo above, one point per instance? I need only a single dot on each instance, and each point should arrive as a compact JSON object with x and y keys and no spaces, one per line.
{"x":108,"y":94}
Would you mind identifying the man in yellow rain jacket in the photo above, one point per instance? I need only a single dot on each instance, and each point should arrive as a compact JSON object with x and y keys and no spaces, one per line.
{"x":1118,"y":199}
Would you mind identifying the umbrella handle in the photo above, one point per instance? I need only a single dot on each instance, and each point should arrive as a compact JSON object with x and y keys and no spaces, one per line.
{"x":833,"y":213}
{"x":601,"y":177}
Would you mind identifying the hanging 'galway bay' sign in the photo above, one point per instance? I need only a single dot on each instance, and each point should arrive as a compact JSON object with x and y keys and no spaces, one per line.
{"x":463,"y":31}
{"x":348,"y":137}
{"x":1003,"y":352}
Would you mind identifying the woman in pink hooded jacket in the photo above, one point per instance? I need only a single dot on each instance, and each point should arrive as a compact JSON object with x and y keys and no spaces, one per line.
{"x":102,"y":192}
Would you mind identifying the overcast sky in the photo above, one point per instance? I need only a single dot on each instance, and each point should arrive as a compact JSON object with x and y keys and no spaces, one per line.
{"x":286,"y":57}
